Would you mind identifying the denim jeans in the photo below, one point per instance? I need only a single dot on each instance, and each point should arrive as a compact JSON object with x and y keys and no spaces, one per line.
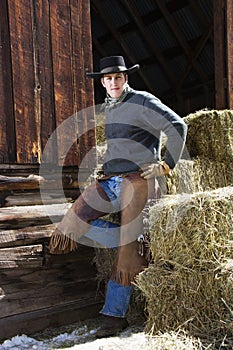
{"x":107,"y":233}
{"x":117,"y":300}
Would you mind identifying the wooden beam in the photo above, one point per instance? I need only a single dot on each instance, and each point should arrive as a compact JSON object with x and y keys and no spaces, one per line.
{"x":199,"y":47}
{"x":25,"y":236}
{"x":186,"y":48}
{"x":32,"y":198}
{"x":59,"y":292}
{"x":229,"y":26}
{"x":147,"y":18}
{"x":7,"y":132}
{"x":220,"y":54}
{"x":22,"y":256}
{"x":147,"y":37}
{"x":196,"y":10}
{"x":54,"y":316}
{"x":16,"y":217}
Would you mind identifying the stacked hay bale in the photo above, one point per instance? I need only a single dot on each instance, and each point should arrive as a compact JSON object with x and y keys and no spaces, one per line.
{"x":190,"y":282}
{"x":189,"y":285}
{"x":209,"y":156}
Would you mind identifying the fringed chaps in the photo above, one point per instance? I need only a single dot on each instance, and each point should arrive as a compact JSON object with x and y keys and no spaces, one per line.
{"x":90,"y":205}
{"x":94,"y":203}
{"x":135,"y":193}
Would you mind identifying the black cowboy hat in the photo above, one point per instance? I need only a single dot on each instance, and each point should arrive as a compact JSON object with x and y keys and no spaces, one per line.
{"x":112,"y":64}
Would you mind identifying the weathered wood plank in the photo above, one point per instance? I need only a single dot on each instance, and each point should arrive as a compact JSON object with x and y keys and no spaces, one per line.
{"x":220,"y":54}
{"x":44,"y":92}
{"x":22,"y":199}
{"x":37,"y":297}
{"x":22,"y":256}
{"x":30,"y":178}
{"x":36,"y":211}
{"x":22,"y":185}
{"x":83,"y":86}
{"x":25,"y":236}
{"x":67,"y":182}
{"x":15,"y":217}
{"x":52,"y":270}
{"x":24,"y":290}
{"x":63,"y":82}
{"x":7,"y":127}
{"x":31,"y":322}
{"x":26,"y":124}
{"x":229,"y":11}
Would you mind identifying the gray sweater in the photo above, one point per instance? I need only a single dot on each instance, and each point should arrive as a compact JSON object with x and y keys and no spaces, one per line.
{"x":133,"y":131}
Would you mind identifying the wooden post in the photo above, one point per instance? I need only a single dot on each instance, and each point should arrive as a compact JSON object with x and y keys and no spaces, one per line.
{"x":223,"y":52}
{"x":7,"y":125}
{"x":229,"y":26}
{"x":219,"y":54}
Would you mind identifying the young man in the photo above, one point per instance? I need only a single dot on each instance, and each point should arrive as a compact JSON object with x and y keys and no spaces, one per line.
{"x":134,"y":123}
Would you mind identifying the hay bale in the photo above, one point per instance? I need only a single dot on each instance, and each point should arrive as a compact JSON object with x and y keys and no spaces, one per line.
{"x":198,"y":174}
{"x":190,"y":283}
{"x":182,"y":178}
{"x":100,"y":128}
{"x":210,"y":134}
{"x":211,"y":174}
{"x":104,"y":258}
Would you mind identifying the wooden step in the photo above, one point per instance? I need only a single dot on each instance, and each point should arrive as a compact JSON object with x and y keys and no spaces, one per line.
{"x":31,"y":322}
{"x":62,"y":289}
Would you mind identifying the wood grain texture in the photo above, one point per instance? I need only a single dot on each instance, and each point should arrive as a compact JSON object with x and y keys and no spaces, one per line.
{"x":7,"y":125}
{"x":229,"y":12}
{"x":60,"y":291}
{"x":44,"y":84}
{"x":63,"y":82}
{"x":45,"y":52}
{"x":83,"y":86}
{"x":27,"y":126}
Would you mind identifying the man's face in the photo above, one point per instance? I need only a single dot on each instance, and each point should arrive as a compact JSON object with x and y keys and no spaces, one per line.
{"x":114,"y":84}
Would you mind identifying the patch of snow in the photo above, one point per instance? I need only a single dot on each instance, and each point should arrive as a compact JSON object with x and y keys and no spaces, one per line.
{"x":63,"y":340}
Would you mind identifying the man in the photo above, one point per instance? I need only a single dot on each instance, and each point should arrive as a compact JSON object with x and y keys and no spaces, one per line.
{"x":134,"y":123}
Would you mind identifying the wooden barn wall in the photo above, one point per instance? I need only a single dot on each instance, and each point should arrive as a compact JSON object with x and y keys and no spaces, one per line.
{"x":44,"y":54}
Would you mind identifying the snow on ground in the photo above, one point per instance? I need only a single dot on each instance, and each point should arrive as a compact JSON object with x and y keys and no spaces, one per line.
{"x":81,"y":336}
{"x":63,"y":340}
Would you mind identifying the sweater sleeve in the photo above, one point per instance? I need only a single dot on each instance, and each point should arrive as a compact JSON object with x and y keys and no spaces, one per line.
{"x":158,"y":116}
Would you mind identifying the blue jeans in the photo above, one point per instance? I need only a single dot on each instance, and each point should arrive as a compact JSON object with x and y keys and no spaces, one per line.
{"x":107,"y":233}
{"x":117,"y":300}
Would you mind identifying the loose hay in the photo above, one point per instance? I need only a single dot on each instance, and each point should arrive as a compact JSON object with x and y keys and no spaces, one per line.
{"x":210,"y":134}
{"x":190,"y":283}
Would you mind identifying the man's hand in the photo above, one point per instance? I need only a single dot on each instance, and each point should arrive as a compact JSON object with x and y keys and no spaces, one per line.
{"x":153,"y":170}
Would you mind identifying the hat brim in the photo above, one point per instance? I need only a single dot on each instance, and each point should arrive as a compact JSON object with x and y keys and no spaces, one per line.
{"x":112,"y":70}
